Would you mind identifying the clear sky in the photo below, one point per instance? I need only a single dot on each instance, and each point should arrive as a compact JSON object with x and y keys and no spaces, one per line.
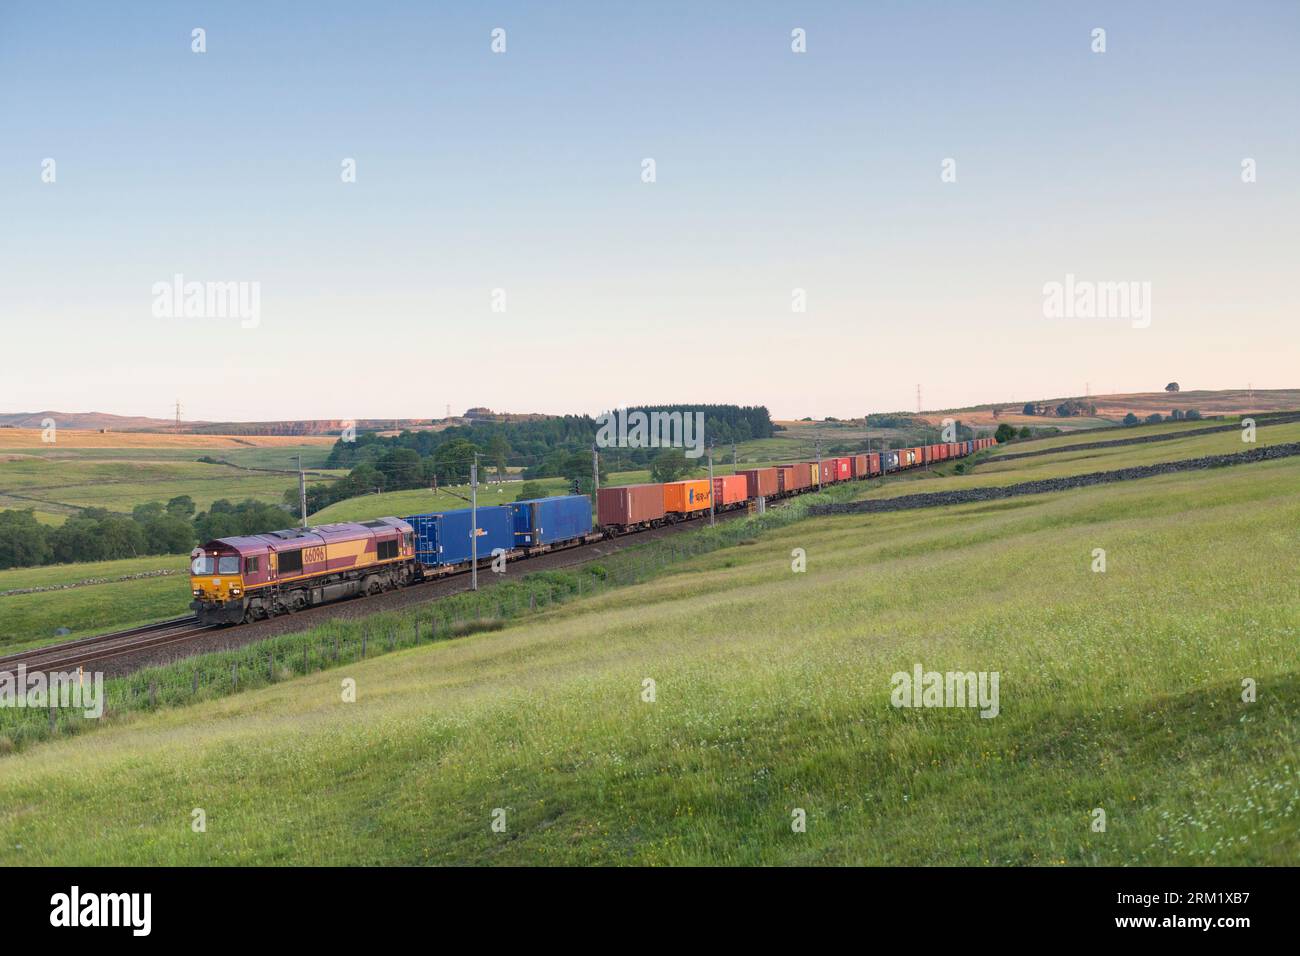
{"x":522,"y":171}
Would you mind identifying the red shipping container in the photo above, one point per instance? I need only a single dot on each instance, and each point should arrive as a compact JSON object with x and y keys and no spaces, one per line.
{"x":762,"y":481}
{"x":828,"y":471}
{"x":730,"y":490}
{"x":873,"y":463}
{"x":859,"y":466}
{"x":629,"y":505}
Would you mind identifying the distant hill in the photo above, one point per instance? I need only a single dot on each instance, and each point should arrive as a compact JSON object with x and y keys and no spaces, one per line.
{"x":89,"y":421}
{"x":1111,"y":409}
{"x":102,"y":421}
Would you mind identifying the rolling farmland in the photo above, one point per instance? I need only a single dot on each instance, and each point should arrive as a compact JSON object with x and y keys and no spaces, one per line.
{"x":1119,"y":690}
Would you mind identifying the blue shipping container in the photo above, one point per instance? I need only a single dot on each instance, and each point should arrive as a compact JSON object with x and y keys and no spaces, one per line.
{"x":547,"y":520}
{"x":443,"y":537}
{"x":889,"y":459}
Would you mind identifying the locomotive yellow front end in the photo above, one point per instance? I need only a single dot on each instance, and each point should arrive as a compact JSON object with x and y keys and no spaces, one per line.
{"x":217,"y":586}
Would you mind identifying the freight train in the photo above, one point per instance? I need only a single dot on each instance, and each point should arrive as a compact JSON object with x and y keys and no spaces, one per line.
{"x":253,"y":577}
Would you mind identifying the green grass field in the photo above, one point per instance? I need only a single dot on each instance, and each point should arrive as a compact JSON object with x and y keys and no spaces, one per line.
{"x":29,"y":620}
{"x":1116,"y":433}
{"x":1119,"y":691}
{"x":57,"y":486}
{"x":420,"y":500}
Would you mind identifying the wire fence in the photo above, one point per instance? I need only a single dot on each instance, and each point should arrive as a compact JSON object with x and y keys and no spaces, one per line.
{"x":339,"y":642}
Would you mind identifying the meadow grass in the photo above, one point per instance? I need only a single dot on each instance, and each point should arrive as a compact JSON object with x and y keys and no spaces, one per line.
{"x":30,"y":620}
{"x":1109,"y":435}
{"x":1119,"y":690}
{"x":992,"y":471}
{"x":61,"y":484}
{"x":420,"y":500}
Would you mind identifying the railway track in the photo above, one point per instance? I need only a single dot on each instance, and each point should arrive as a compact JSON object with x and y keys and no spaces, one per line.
{"x":89,"y":650}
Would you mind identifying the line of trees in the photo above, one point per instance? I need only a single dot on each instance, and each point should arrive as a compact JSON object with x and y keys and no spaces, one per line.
{"x":1155,"y":418}
{"x":1069,"y":408}
{"x":556,"y":447}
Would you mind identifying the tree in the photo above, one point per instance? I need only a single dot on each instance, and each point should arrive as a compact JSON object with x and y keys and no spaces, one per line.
{"x":1025,"y":432}
{"x":1029,"y":409}
{"x":149,"y":511}
{"x":400,"y":468}
{"x":1005,"y":432}
{"x":1193,"y":415}
{"x":1130,"y":419}
{"x":1155,"y":418}
{"x":669,"y":465}
{"x":530,"y":490}
{"x":182,"y":506}
{"x":169,"y":535}
{"x":1171,"y":387}
{"x":225,"y":520}
{"x":498,"y":451}
{"x":454,"y":458}
{"x":1176,"y":414}
{"x":24,"y":541}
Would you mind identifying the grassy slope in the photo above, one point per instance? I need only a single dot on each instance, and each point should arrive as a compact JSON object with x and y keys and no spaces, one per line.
{"x":418,"y":500}
{"x":27,"y":620}
{"x":1119,"y":690}
{"x":1111,"y":434}
{"x":56,"y":486}
{"x":993,"y":472}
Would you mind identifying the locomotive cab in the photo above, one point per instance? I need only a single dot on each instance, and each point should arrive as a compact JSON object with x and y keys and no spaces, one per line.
{"x":217,"y":572}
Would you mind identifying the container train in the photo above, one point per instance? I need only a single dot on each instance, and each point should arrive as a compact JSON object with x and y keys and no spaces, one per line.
{"x":253,"y":577}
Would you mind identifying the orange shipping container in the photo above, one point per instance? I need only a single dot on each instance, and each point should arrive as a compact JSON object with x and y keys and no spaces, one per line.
{"x":729,"y":490}
{"x":791,"y":478}
{"x":686,"y":497}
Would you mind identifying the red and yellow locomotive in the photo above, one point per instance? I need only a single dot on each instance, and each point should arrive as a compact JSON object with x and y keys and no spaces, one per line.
{"x":257,"y":576}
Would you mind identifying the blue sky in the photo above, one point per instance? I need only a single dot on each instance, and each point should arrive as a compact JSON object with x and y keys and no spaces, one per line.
{"x":521,"y":171}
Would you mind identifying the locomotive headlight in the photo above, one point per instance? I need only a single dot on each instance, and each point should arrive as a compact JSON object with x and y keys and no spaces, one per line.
{"x":234,"y":590}
{"x":198,"y":593}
